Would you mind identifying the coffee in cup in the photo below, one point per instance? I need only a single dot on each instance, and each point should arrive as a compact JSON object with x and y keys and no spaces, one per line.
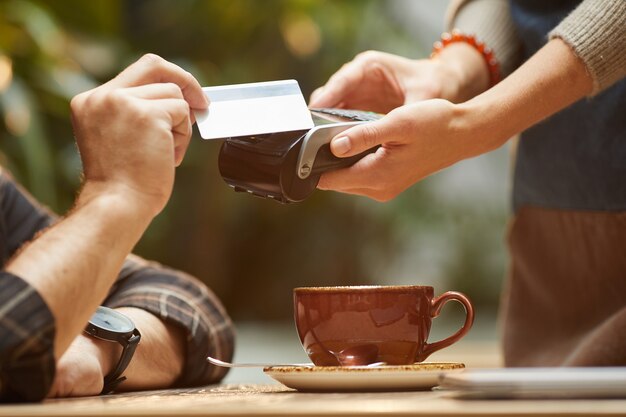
{"x":356,"y":326}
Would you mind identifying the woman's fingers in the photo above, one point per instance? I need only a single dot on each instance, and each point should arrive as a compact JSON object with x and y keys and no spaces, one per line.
{"x":339,"y":87}
{"x":374,"y":176}
{"x":362,"y":175}
{"x":392,"y":128}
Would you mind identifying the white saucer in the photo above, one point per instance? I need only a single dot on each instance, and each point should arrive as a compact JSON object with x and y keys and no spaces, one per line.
{"x":419,"y":376}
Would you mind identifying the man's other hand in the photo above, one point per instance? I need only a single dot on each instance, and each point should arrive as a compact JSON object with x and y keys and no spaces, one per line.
{"x":134,"y":130}
{"x":157,"y":362}
{"x":81,"y":369}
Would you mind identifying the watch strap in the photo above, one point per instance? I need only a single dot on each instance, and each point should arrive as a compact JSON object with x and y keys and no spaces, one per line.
{"x":109,"y":386}
{"x":114,"y":378}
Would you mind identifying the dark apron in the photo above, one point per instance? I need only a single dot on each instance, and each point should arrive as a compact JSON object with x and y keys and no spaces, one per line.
{"x":565,"y":301}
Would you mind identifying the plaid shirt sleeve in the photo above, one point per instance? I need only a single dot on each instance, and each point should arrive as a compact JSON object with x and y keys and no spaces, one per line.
{"x":178,"y":298}
{"x":26,"y":341}
{"x":27,"y":326}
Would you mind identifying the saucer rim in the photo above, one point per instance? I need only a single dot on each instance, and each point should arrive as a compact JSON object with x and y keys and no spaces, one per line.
{"x":416,"y":367}
{"x":362,"y":379}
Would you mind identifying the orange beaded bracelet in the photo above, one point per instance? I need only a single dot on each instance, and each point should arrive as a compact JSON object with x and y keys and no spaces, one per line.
{"x":485,"y":51}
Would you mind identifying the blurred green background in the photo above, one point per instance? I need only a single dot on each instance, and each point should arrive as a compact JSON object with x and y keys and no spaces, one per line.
{"x":446,"y":231}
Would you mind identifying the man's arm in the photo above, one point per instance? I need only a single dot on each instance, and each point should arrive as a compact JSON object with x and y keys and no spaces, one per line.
{"x":26,"y":341}
{"x":128,"y":180}
{"x":181,"y":301}
{"x":78,"y":259}
{"x":181,"y":322}
{"x":157,"y":362}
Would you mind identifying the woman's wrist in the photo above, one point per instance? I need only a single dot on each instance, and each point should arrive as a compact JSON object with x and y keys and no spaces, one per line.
{"x":479,"y":123}
{"x":549,"y":81}
{"x":463,"y":72}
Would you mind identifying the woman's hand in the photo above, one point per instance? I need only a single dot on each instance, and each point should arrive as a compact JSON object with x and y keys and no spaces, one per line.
{"x":421,"y":138}
{"x":416,"y":140}
{"x":380,"y":82}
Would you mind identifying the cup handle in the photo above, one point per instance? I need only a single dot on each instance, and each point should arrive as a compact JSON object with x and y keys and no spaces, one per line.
{"x":437,"y":304}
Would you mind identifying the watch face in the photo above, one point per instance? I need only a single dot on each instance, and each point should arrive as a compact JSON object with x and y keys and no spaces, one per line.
{"x":109,"y":319}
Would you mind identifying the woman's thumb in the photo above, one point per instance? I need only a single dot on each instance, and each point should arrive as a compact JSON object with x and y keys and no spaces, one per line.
{"x":358,"y":139}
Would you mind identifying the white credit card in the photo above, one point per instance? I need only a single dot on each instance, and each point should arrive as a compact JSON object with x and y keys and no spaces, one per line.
{"x":253,"y":109}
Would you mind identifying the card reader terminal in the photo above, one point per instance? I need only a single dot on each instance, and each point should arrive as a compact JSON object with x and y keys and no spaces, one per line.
{"x":286,"y":166}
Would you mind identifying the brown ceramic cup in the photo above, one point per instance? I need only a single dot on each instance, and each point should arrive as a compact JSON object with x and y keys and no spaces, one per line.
{"x":352,"y":326}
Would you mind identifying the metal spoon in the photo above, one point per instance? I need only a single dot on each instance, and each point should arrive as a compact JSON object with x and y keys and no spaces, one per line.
{"x":269,"y":365}
{"x":255,"y":365}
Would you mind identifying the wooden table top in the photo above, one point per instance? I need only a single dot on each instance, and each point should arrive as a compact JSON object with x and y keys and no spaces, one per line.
{"x":275,"y":400}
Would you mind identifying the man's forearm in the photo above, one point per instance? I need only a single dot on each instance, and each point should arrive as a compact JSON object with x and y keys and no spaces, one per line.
{"x":158,"y":360}
{"x":74,"y":263}
{"x":549,"y":81}
{"x":160,"y":356}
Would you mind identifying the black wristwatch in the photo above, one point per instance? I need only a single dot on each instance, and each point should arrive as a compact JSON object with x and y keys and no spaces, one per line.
{"x":113,"y":326}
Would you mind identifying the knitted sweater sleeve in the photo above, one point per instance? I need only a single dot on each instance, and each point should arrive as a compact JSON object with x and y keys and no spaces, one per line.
{"x":490,"y":21}
{"x":596,"y":32}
